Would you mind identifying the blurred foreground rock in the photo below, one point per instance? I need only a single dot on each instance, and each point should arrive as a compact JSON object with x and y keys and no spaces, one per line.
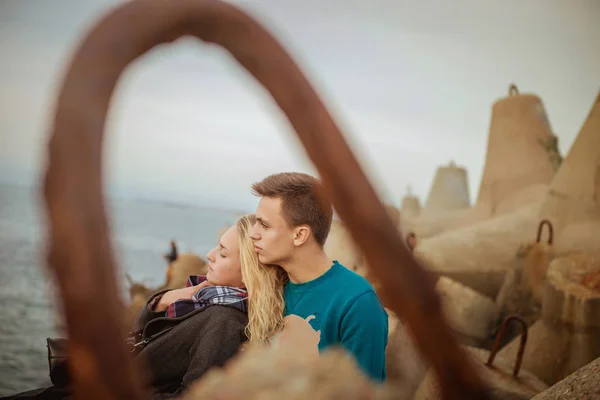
{"x":270,"y":374}
{"x":405,"y":366}
{"x":583,"y":384}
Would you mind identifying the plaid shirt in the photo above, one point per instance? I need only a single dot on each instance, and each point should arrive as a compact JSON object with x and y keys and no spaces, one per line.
{"x":208,"y":296}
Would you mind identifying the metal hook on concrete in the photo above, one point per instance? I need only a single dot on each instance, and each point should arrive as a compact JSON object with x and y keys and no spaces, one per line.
{"x":550,"y":231}
{"x":513,"y":90}
{"x":411,"y":241}
{"x":498,"y":342}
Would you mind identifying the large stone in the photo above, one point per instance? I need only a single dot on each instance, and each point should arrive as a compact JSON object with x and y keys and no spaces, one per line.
{"x":429,"y":225}
{"x":529,"y":195}
{"x":480,"y":255}
{"x":404,"y":364}
{"x":577,"y":237}
{"x":568,"y":335}
{"x":468,"y":312}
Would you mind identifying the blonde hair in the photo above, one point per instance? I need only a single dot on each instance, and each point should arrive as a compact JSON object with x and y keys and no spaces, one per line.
{"x":265,"y":288}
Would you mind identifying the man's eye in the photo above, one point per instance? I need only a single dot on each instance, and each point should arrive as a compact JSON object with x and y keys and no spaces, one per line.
{"x":222,"y":255}
{"x":264,"y":225}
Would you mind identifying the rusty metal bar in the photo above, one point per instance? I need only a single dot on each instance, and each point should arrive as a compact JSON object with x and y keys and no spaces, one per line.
{"x":498,"y":342}
{"x":80,"y":252}
{"x":550,"y":231}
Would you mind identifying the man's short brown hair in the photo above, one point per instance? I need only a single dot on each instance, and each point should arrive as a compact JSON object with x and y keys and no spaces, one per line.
{"x":302,"y":201}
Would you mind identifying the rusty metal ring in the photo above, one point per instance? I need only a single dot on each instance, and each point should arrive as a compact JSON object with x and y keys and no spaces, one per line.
{"x":513,"y":90}
{"x":80,"y":253}
{"x":550,"y":231}
{"x":498,"y":342}
{"x":411,"y":241}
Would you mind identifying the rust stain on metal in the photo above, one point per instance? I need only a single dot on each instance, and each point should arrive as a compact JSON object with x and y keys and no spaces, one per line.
{"x":411,"y":241}
{"x":550,"y":231}
{"x":80,"y":253}
{"x":498,"y":343}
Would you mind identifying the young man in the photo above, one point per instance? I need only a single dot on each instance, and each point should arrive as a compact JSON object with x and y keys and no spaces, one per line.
{"x":293,"y":221}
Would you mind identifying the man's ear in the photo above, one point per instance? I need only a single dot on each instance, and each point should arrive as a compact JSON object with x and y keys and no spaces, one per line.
{"x":301,"y":235}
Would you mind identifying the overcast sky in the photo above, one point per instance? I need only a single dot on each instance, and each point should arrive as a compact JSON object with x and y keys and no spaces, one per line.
{"x":410,"y":82}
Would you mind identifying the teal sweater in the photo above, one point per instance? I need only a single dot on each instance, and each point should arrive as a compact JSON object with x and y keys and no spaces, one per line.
{"x":347,"y":312}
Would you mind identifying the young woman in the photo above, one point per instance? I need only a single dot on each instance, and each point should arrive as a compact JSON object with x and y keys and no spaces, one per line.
{"x":183,"y":333}
{"x":204,"y":325}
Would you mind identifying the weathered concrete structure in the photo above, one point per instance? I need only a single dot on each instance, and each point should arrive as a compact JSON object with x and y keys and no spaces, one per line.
{"x":568,"y":335}
{"x":499,"y":379}
{"x":449,"y":190}
{"x":446,"y":207}
{"x":340,"y":246}
{"x":573,"y":201}
{"x":521,"y":155}
{"x":409,"y":211}
{"x":479,"y":255}
{"x":469,"y":313}
{"x":411,"y":205}
{"x":430,"y":225}
{"x":524,"y":284}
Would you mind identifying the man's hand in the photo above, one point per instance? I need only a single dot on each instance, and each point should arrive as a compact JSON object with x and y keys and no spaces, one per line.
{"x":178,"y":294}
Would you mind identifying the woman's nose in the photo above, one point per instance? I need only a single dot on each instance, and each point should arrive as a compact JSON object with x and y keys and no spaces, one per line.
{"x":211,"y":256}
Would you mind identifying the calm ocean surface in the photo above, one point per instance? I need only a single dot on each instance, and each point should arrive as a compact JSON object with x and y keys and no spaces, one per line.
{"x":141,"y":234}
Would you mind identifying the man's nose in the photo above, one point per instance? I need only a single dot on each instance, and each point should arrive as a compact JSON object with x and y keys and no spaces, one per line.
{"x":254,"y":235}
